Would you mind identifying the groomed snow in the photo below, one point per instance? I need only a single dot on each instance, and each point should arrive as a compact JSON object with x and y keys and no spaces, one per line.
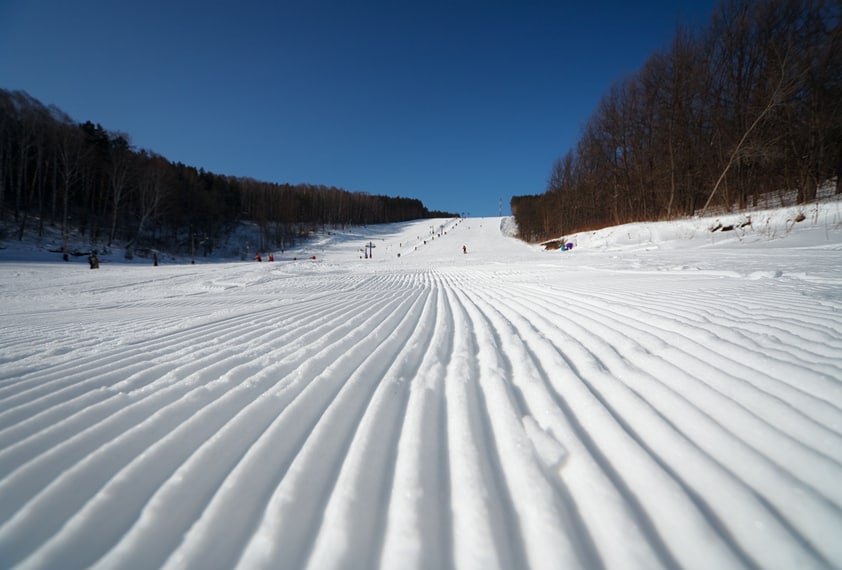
{"x":660,"y":396}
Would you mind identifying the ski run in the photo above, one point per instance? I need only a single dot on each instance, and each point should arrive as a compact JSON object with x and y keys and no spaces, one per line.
{"x":659,"y":396}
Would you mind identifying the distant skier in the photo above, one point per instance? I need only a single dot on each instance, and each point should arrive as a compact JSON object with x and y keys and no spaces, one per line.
{"x":464,"y":249}
{"x":258,"y":258}
{"x":271,"y":257}
{"x":93,"y":260}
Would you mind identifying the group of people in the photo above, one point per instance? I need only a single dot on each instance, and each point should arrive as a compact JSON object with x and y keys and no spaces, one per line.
{"x":93,"y":259}
{"x":259,"y":257}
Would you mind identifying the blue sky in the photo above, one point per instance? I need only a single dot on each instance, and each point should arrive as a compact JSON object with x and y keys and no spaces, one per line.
{"x":457,"y":103}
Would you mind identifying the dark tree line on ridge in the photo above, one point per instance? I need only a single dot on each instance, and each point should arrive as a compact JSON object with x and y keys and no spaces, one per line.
{"x":750,"y":105}
{"x":86,"y":180}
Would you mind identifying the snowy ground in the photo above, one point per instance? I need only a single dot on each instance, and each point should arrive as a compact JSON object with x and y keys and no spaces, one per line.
{"x":660,"y":396}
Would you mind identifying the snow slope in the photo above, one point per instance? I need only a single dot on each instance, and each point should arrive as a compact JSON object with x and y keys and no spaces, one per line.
{"x":659,"y":397}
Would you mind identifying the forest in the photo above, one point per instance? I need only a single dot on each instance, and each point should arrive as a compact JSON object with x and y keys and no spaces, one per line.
{"x":93,"y":183}
{"x":749,"y":106}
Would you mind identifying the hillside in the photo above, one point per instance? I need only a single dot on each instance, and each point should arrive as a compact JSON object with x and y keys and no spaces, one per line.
{"x":660,"y":396}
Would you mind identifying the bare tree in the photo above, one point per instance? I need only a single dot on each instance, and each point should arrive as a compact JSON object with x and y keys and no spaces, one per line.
{"x":118,"y":174}
{"x":151,"y":186}
{"x":70,"y":156}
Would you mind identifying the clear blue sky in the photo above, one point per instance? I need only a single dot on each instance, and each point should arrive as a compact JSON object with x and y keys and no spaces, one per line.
{"x":458,"y":103}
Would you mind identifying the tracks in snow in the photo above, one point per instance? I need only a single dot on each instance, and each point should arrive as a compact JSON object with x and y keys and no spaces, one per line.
{"x":430,"y":418}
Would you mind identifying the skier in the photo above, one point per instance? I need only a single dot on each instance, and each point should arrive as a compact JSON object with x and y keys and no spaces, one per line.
{"x":258,"y":258}
{"x":92,"y":259}
{"x":464,"y":249}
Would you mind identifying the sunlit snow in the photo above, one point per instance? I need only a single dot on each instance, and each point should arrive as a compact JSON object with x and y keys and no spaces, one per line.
{"x":659,"y":396}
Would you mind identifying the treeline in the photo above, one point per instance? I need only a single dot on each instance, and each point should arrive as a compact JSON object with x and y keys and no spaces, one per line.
{"x":86,"y":180}
{"x":285,"y":211}
{"x":752,"y":104}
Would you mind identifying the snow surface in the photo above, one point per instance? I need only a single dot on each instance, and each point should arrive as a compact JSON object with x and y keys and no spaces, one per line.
{"x":661,"y":396}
